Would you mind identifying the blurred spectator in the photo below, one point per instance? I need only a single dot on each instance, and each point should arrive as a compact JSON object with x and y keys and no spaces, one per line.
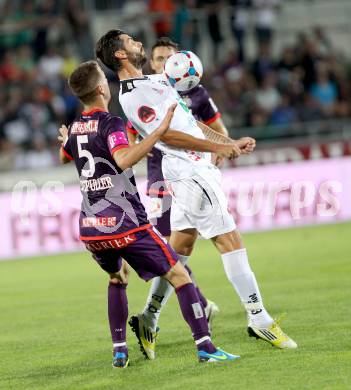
{"x":79,"y":23}
{"x":309,"y":58}
{"x":162,"y":12}
{"x":264,"y":64}
{"x":323,"y":44}
{"x":50,"y":67}
{"x":185,"y":26}
{"x":47,"y":18}
{"x":309,"y":110}
{"x":9,"y":70}
{"x":265,"y":17}
{"x":212,"y":8}
{"x":284,"y":113}
{"x":267,"y":95}
{"x":37,"y":157}
{"x":324,"y":91}
{"x":240,"y":19}
{"x":25,"y":60}
{"x":70,"y":62}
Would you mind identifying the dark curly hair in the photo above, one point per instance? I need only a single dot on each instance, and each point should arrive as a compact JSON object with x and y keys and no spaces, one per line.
{"x":106,"y":47}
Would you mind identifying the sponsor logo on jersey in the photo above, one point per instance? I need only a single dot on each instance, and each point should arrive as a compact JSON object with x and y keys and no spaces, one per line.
{"x":146,"y":114}
{"x":111,"y":244}
{"x":117,"y":138}
{"x":98,"y":221}
{"x":85,"y":127}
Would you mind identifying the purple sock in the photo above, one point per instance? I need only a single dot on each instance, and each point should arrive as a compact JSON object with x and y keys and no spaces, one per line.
{"x":118,"y":315}
{"x":194,"y":315}
{"x":203,"y":300}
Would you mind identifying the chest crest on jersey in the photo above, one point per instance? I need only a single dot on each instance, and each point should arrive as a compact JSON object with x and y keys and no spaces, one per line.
{"x":146,"y":114}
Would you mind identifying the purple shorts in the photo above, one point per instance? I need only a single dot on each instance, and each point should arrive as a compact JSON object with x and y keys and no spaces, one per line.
{"x":145,"y":251}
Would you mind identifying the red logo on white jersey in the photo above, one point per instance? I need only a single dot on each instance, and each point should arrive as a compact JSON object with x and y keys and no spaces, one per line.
{"x":146,"y":114}
{"x":194,"y":155}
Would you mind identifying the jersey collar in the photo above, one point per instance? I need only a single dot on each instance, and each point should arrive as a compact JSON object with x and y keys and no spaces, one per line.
{"x":91,"y":112}
{"x":127,"y":85}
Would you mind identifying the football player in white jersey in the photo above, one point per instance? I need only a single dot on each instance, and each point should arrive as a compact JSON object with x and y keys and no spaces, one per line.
{"x":198,"y":202}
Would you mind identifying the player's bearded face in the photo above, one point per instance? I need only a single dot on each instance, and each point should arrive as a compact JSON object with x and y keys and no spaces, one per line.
{"x":137,"y":57}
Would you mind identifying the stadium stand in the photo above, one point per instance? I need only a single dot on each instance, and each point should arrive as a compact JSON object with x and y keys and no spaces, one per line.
{"x":281,"y":91}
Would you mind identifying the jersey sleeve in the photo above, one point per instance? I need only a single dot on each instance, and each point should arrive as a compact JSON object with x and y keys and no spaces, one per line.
{"x":208,"y":110}
{"x":115,"y":135}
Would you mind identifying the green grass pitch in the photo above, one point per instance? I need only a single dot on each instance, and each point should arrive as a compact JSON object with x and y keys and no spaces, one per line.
{"x":54,"y":331}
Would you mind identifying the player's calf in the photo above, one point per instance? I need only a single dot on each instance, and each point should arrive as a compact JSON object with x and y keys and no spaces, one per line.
{"x":194,"y":315}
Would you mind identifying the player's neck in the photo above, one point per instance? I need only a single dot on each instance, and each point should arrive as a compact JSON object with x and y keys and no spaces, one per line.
{"x":129,"y":71}
{"x":96,"y":106}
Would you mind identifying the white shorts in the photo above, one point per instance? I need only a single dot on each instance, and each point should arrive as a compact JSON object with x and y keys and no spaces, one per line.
{"x":199,"y":202}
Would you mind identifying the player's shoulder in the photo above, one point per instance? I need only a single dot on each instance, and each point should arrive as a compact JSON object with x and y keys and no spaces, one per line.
{"x":150,"y":88}
{"x":200,"y":92}
{"x":129,"y":86}
{"x":159,"y":77}
{"x":111,"y":122}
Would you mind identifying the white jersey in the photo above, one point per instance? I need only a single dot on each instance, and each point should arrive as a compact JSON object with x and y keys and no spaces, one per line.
{"x":145,"y":102}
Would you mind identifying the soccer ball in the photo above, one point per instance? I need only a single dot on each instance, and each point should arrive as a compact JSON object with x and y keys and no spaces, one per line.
{"x":183,"y":70}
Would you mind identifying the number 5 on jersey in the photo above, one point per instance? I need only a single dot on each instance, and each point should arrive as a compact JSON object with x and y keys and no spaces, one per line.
{"x":83,"y":139}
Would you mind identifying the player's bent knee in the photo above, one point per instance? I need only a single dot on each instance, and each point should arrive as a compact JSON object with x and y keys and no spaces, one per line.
{"x":185,"y":251}
{"x":178,"y":275}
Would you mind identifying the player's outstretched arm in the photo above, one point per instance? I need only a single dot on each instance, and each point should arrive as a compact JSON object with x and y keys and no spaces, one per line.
{"x":246,"y":144}
{"x":182,"y":140}
{"x":213,"y":135}
{"x":127,"y":157}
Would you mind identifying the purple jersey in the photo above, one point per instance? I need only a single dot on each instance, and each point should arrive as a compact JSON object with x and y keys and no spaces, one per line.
{"x":201,"y":104}
{"x":111,"y":206}
{"x":203,"y":109}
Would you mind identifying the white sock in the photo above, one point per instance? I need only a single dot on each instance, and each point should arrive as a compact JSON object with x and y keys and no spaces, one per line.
{"x":239,"y":273}
{"x":159,"y":294}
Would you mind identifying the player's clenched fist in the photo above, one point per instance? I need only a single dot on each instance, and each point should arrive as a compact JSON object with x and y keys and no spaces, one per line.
{"x":164,"y":126}
{"x":247,"y":145}
{"x":229,"y":151}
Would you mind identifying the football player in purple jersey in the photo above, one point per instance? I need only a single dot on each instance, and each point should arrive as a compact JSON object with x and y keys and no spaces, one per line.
{"x":113,"y":222}
{"x":204,"y":109}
